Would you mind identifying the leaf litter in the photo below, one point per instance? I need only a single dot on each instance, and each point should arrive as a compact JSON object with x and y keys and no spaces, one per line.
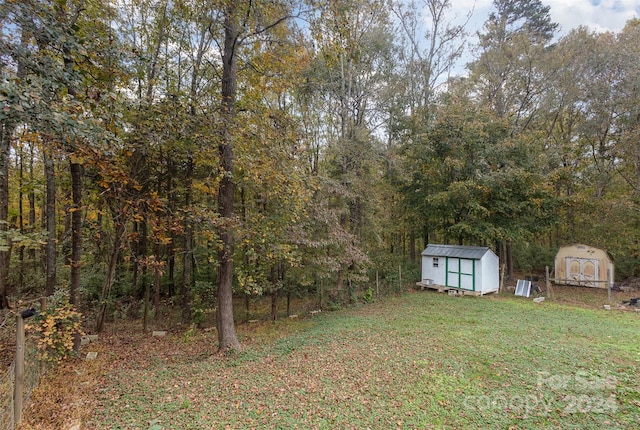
{"x":404,"y":363}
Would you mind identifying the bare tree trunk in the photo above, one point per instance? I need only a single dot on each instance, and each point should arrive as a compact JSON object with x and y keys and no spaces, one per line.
{"x":274,"y":305}
{"x":156,"y":288}
{"x":509,"y":253}
{"x":142,"y":253}
{"x":77,"y":173}
{"x":187,"y":263}
{"x":50,"y":224}
{"x":76,"y":231}
{"x":5,"y":254}
{"x":170,"y":248}
{"x":412,"y":246}
{"x":32,"y":206}
{"x":288,"y":304}
{"x":274,"y":294}
{"x":140,"y":171}
{"x":145,"y":314}
{"x":99,"y":253}
{"x":172,"y":271}
{"x":227,"y":338}
{"x":21,"y":215}
{"x":425,"y":236}
{"x":636,"y":190}
{"x":120,"y":228}
{"x":7,"y":129}
{"x":135,"y":262}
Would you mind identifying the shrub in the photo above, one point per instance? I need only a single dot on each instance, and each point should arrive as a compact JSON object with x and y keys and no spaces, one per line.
{"x":368,"y":295}
{"x":57,"y":326}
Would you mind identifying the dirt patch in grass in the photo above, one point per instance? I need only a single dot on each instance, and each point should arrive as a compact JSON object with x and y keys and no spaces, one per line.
{"x":585,"y":297}
{"x":593,"y":297}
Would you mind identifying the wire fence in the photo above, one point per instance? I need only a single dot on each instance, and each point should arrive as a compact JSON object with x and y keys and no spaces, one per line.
{"x":6,"y":398}
{"x":32,"y":372}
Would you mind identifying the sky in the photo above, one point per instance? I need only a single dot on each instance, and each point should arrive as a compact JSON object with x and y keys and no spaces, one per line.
{"x":597,"y":15}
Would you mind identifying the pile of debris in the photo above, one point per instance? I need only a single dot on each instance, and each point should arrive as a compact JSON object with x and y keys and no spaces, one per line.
{"x":628,"y":285}
{"x":633,"y":302}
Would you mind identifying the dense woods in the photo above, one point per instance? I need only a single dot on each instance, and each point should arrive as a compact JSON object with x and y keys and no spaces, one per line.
{"x":189,"y":152}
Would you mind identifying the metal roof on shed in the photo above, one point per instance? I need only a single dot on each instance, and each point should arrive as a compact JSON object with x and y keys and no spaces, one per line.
{"x":457,"y":251}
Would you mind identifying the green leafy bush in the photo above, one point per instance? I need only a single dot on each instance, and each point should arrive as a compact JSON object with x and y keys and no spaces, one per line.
{"x":57,"y":325}
{"x":368,"y":295}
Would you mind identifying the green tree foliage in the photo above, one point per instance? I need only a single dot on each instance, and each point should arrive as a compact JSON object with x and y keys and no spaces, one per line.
{"x":509,"y":78}
{"x":354,"y":58}
{"x":47,"y":73}
{"x":206,"y":149}
{"x":589,"y":128}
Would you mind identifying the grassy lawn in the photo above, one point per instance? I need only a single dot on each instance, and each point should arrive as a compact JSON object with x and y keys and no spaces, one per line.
{"x":422,"y":360}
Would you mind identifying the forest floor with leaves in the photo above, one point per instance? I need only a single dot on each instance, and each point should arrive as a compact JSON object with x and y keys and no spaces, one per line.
{"x":419,"y":360}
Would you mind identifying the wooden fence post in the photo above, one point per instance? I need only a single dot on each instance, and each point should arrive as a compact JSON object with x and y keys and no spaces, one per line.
{"x":609,"y":284}
{"x":18,"y":388}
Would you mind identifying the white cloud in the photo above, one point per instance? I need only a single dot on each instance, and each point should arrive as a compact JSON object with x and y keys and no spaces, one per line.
{"x":597,"y":15}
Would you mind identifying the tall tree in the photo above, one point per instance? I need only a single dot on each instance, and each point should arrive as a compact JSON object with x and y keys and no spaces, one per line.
{"x":244,"y":22}
{"x":227,"y":338}
{"x":629,"y":94}
{"x":583,"y":129}
{"x":354,"y":62}
{"x":38,"y":67}
{"x":507,"y":75}
{"x":431,"y":46}
{"x":13,"y":69}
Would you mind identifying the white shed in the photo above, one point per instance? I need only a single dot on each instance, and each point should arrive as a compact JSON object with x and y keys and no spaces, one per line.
{"x":467,"y":268}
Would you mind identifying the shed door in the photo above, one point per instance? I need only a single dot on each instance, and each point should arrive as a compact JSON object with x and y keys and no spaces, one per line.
{"x":461,"y":273}
{"x":582,"y":271}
